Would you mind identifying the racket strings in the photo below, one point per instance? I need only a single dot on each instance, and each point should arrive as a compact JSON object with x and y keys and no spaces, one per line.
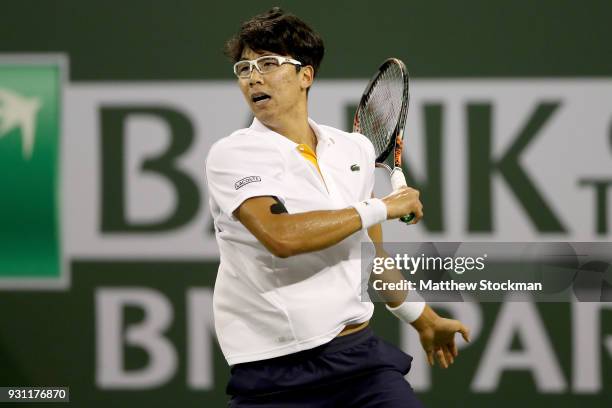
{"x":379,"y":116}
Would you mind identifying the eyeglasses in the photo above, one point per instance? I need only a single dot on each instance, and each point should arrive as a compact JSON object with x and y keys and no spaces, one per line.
{"x":265,"y":64}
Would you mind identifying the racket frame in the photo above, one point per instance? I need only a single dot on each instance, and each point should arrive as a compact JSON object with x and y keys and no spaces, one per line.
{"x":396,"y":143}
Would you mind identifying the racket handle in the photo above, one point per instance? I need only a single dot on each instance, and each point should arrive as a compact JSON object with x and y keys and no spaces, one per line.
{"x":398,"y":181}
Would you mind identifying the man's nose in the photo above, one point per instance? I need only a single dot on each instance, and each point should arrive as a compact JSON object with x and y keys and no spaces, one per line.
{"x":255,"y":77}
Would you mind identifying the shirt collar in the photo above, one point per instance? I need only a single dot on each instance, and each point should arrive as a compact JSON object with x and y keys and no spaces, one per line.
{"x":321,"y":135}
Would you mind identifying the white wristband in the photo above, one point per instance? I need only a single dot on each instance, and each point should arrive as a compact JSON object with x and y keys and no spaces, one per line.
{"x":408,"y":311}
{"x":372,"y":211}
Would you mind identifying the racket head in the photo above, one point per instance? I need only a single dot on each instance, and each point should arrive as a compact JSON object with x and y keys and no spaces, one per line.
{"x":381,"y":113}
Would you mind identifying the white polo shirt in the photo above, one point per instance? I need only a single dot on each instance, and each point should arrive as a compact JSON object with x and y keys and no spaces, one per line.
{"x":265,"y":306}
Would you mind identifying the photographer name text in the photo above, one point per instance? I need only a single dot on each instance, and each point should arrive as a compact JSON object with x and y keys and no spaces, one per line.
{"x":451,"y":285}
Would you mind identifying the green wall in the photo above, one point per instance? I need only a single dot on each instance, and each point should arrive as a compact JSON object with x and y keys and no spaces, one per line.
{"x":141,"y":39}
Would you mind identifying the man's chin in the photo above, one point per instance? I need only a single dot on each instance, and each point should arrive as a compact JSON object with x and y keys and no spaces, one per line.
{"x":263,"y":117}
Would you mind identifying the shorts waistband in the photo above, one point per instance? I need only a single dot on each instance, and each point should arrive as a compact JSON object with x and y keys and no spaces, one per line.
{"x":336,"y":344}
{"x":350,"y":340}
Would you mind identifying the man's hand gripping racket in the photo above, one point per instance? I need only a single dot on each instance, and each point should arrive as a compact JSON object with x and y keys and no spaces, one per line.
{"x":381,"y":117}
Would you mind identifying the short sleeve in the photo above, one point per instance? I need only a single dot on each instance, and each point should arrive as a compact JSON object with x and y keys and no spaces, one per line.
{"x":241,"y":167}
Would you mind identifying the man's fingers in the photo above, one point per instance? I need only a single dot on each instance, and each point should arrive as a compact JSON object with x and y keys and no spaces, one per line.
{"x":430,"y":358}
{"x":453,"y":348}
{"x":465,"y":333}
{"x":441,"y":358}
{"x":448,"y":355}
{"x":418,"y":215}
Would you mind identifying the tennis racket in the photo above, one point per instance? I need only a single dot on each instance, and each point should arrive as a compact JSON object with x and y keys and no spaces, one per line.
{"x":381,"y":117}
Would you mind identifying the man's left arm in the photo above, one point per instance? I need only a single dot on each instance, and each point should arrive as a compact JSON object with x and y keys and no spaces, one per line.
{"x":437,"y":334}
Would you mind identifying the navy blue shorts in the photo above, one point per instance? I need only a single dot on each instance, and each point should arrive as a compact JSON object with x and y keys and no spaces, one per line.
{"x":356,"y":370}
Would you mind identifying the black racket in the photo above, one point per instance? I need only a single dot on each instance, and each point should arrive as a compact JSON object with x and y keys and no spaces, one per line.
{"x":381,"y":117}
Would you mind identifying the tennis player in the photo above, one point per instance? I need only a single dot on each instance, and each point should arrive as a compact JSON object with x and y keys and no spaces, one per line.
{"x":292,"y":202}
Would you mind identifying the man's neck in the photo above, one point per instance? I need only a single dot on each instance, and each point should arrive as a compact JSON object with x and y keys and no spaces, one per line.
{"x":297,"y":130}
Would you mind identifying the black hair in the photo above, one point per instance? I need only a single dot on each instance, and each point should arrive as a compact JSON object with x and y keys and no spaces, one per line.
{"x":281,"y":33}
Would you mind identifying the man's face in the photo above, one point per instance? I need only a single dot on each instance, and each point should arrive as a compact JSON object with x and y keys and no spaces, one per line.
{"x":276,"y":94}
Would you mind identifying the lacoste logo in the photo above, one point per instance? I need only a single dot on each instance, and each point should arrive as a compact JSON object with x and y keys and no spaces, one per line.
{"x":355,"y":167}
{"x":243,"y":182}
{"x":17,"y":111}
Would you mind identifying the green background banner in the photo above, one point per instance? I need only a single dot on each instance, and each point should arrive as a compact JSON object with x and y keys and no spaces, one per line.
{"x":30,"y":116}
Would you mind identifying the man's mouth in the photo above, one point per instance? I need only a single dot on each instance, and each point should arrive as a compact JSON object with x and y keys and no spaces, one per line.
{"x":259,"y":97}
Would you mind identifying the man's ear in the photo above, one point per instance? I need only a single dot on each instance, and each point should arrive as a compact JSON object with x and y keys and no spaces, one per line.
{"x":306,"y":76}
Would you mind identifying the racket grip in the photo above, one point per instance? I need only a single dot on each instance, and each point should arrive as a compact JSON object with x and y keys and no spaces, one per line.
{"x":398,"y":180}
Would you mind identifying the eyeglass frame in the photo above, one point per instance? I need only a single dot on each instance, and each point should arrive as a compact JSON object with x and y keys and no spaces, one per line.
{"x":253,"y":63}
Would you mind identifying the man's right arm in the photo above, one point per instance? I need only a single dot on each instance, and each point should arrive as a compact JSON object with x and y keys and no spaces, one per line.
{"x":286,"y":234}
